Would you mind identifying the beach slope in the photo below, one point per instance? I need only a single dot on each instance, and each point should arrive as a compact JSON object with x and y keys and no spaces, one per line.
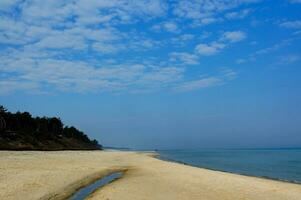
{"x":56,"y":175}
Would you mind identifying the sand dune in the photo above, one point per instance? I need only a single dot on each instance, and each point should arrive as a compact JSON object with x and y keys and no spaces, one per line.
{"x":55,"y":175}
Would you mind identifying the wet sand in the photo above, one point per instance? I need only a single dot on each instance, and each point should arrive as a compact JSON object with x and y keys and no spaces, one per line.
{"x":56,"y":175}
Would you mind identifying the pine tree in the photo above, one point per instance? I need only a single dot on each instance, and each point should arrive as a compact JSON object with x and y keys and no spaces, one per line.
{"x":2,"y":120}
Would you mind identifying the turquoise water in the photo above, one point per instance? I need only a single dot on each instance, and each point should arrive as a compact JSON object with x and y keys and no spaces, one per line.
{"x":280,"y":164}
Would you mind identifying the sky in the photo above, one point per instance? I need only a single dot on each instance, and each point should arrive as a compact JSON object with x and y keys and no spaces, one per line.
{"x":158,"y":74}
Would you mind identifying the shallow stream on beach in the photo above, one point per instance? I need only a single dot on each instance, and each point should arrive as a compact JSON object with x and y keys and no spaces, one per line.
{"x":86,"y":191}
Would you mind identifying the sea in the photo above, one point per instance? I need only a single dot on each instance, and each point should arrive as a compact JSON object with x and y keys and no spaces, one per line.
{"x":279,"y":164}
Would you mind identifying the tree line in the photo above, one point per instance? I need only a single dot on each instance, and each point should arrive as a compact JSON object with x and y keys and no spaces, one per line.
{"x":41,"y":128}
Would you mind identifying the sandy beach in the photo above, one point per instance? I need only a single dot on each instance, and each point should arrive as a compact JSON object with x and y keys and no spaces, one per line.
{"x":56,"y":175}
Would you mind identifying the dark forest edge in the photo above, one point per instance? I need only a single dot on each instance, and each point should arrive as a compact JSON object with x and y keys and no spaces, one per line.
{"x":21,"y":131}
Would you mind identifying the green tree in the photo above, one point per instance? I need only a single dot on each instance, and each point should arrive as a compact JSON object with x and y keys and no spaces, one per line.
{"x":2,"y":110}
{"x":2,"y":120}
{"x":42,"y":131}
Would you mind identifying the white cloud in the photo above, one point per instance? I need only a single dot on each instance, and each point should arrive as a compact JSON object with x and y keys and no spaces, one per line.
{"x":198,"y":84}
{"x":182,"y":40}
{"x":206,"y":11}
{"x":209,"y":49}
{"x":291,"y":24}
{"x":107,"y":48}
{"x":215,"y":46}
{"x":79,"y":46}
{"x":162,"y":76}
{"x":238,"y":15}
{"x":234,"y":36}
{"x":111,"y":11}
{"x":186,"y":37}
{"x":223,"y":77}
{"x":99,"y":35}
{"x":288,"y":59}
{"x":208,"y":20}
{"x":6,"y":5}
{"x":186,"y":58}
{"x":73,"y":20}
{"x":228,"y":74}
{"x":11,"y":31}
{"x":62,"y":41}
{"x":139,"y":43}
{"x":279,"y":45}
{"x":10,"y":85}
{"x":171,"y":26}
{"x":274,"y":47}
{"x":167,"y":26}
{"x":81,"y":76}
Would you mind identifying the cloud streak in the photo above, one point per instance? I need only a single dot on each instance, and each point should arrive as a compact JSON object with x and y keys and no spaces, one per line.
{"x":206,"y":82}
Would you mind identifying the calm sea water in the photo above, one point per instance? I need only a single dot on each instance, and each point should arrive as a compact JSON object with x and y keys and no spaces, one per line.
{"x":281,"y":164}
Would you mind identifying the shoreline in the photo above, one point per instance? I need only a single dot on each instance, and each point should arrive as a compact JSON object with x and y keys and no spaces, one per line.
{"x":224,"y":171}
{"x":58,"y":175}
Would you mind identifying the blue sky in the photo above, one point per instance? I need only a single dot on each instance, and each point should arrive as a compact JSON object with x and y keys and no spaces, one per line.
{"x":157,"y":74}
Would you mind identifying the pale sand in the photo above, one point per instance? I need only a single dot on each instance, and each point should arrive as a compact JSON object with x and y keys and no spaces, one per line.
{"x":55,"y":175}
